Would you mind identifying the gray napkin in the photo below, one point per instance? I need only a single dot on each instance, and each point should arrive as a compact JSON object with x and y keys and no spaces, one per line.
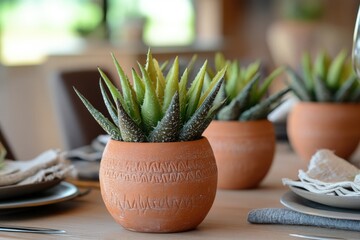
{"x":290,"y":217}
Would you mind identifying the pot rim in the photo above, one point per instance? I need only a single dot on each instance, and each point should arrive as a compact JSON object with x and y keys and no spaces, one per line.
{"x":202,"y":138}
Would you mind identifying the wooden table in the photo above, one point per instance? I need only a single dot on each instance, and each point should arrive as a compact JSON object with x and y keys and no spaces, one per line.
{"x":87,"y":217}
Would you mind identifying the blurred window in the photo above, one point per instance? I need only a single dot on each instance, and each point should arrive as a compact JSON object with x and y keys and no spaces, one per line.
{"x":32,"y":29}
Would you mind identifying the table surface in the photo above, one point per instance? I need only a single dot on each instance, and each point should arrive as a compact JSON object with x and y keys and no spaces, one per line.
{"x":87,"y":218}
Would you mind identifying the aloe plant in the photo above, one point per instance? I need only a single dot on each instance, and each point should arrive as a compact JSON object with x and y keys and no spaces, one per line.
{"x":245,"y":91}
{"x":325,"y":79}
{"x":157,"y":107}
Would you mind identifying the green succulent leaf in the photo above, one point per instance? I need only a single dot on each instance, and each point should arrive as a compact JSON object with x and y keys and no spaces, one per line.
{"x":138,"y":87}
{"x":194,"y":93}
{"x":196,"y":125}
{"x":297,"y":85}
{"x":355,"y":96}
{"x":105,"y":123}
{"x":335,"y":70}
{"x":220,"y":74}
{"x":172,"y":84}
{"x":182,"y":93}
{"x":109,"y":106}
{"x":130,"y":131}
{"x":150,"y":110}
{"x":321,"y":66}
{"x":267,"y":82}
{"x":168,"y":128}
{"x":233,"y":110}
{"x":261,"y":110}
{"x":132,"y":107}
{"x":220,"y":61}
{"x":345,"y":91}
{"x":322,"y":92}
{"x":307,"y":71}
{"x":150,"y":68}
{"x":160,"y":85}
{"x":232,"y":80}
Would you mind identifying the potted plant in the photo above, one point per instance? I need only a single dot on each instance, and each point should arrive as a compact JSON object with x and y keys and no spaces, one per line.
{"x":328,"y":114}
{"x":242,"y":138}
{"x":157,"y":173}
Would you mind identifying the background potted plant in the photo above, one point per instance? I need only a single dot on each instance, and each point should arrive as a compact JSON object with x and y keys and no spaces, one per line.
{"x":242,"y":138}
{"x":157,"y":173}
{"x":328,"y":114}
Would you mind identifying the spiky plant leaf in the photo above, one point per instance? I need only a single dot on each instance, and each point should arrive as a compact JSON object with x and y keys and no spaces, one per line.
{"x":172,"y":84}
{"x":220,"y":61}
{"x":194,"y":93}
{"x":298,"y":86}
{"x":307,"y":71}
{"x":168,"y":128}
{"x":197,"y":124}
{"x":232,"y":80}
{"x":321,"y":66}
{"x":220,"y":74}
{"x":150,"y":68}
{"x":182,"y":93}
{"x":160,"y":85}
{"x":252,"y":69}
{"x":355,"y":96}
{"x":266,"y":84}
{"x":345,"y":91}
{"x":115,"y":93}
{"x":105,"y":123}
{"x":138,"y":87}
{"x":335,"y":70}
{"x":151,"y":109}
{"x":261,"y":110}
{"x":130,"y":131}
{"x":132,"y":106}
{"x":192,"y":62}
{"x":322,"y":92}
{"x":233,"y":110}
{"x":109,"y":106}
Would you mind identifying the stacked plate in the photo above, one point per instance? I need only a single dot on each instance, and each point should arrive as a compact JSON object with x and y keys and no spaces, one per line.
{"x":304,"y":201}
{"x":37,"y":194}
{"x":35,"y":182}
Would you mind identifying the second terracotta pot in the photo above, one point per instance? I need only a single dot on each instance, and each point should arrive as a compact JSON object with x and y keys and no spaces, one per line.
{"x":243,"y":151}
{"x":158,"y":187}
{"x":334,"y":126}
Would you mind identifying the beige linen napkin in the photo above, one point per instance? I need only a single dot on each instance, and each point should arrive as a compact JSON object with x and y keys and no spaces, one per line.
{"x":45,"y":167}
{"x":328,"y":174}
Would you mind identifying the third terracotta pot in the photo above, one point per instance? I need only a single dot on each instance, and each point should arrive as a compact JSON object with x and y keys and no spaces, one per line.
{"x":334,"y":126}
{"x":243,"y":151}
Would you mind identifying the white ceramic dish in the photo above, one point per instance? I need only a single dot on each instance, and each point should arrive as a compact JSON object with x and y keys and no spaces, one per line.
{"x":59,"y":193}
{"x":350,"y":202}
{"x":10,"y":192}
{"x":299,"y":204}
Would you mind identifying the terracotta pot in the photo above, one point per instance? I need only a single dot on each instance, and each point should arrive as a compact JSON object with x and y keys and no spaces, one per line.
{"x":313,"y":126}
{"x":158,"y":187}
{"x":243,"y":151}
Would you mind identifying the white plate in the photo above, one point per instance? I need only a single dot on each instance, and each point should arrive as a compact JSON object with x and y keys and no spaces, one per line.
{"x":350,"y":202}
{"x":61,"y":192}
{"x":299,"y":204}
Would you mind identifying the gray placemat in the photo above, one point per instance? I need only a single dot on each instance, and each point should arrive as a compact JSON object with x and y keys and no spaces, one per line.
{"x":290,"y":217}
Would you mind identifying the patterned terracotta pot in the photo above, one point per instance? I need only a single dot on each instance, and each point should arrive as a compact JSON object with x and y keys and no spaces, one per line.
{"x":312,"y":126}
{"x":158,"y":187}
{"x":243,"y":151}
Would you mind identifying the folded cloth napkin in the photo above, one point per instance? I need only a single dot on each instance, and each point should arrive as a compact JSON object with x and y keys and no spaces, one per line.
{"x":328,"y":174}
{"x":92,"y":152}
{"x":45,"y":167}
{"x":290,"y":217}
